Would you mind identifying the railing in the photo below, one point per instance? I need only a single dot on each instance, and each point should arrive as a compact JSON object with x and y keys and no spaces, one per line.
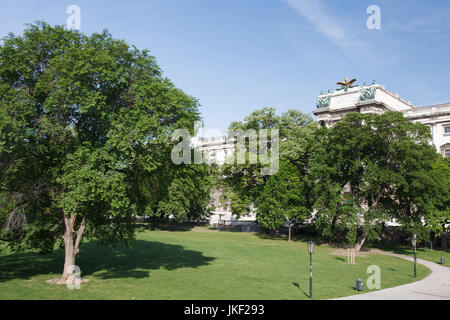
{"x":428,"y":110}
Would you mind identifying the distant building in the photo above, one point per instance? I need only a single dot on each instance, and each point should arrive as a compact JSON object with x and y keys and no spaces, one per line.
{"x":215,"y":149}
{"x":331,"y":108}
{"x":375,"y":99}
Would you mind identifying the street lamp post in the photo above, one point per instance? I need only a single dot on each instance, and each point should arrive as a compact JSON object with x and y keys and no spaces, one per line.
{"x":414,"y":243}
{"x":310,"y":250}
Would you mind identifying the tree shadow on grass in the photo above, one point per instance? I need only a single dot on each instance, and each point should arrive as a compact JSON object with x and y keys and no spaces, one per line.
{"x":406,"y":250}
{"x":408,"y":275}
{"x":169,"y":226}
{"x":105,"y":262}
{"x":294,"y":239}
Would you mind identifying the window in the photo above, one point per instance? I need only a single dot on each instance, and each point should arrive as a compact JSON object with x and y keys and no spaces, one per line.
{"x":446,"y":150}
{"x":447,"y":130}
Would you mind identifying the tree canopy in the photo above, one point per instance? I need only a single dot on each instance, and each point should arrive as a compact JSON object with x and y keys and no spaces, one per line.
{"x":282,"y":197}
{"x":349,"y":179}
{"x":85,"y":124}
{"x":370,"y":169}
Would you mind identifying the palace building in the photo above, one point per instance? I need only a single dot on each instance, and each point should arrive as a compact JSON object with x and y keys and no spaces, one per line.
{"x":331,"y":108}
{"x":374,"y":98}
{"x":377,"y":99}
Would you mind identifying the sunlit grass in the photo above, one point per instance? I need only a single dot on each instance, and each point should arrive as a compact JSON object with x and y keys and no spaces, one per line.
{"x":199,"y":264}
{"x":433,"y":255}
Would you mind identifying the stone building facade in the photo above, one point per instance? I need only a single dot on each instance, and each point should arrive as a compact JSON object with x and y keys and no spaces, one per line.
{"x":376,"y":99}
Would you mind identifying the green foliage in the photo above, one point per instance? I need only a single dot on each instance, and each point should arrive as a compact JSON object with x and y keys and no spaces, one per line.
{"x":188,"y":195}
{"x":244,"y":182}
{"x":283,"y":199}
{"x":85,"y":124}
{"x":374,"y":168}
{"x":438,"y":213}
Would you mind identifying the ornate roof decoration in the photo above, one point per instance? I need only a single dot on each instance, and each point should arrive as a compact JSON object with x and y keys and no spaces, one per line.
{"x":323,"y":103}
{"x":368,"y":94}
{"x":346,"y":84}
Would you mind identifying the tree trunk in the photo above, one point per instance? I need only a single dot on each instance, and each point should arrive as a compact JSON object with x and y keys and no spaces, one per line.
{"x":360,"y":242}
{"x":289,"y":237}
{"x":69,"y":260}
{"x":444,"y":240}
{"x":71,"y":245}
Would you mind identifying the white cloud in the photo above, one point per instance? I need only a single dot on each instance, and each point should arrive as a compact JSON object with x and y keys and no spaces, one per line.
{"x":325,"y":24}
{"x":361,"y":51}
{"x":314,"y":13}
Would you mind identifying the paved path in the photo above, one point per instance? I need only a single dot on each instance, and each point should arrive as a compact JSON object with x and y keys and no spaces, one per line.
{"x":434,"y":287}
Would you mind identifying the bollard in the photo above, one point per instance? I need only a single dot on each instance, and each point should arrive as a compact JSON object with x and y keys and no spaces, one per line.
{"x":442,"y":260}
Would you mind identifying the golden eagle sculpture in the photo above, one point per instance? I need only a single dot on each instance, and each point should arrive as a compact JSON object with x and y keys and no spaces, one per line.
{"x":346,"y":83}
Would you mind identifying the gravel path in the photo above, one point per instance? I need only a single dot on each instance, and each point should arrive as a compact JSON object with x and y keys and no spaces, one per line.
{"x":434,"y":287}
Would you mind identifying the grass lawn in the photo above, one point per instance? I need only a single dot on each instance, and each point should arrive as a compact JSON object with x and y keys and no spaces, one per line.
{"x":422,"y":252}
{"x":199,"y":264}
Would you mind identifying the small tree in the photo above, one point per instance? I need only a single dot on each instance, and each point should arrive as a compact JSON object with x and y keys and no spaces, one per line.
{"x":244,"y":182}
{"x":283,"y":199}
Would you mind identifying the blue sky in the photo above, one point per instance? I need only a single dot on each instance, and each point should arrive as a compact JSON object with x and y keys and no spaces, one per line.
{"x":236,"y":56}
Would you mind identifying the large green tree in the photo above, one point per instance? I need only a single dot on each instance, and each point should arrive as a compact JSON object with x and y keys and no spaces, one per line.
{"x":370,"y":169}
{"x":85,"y":125}
{"x":438,"y":200}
